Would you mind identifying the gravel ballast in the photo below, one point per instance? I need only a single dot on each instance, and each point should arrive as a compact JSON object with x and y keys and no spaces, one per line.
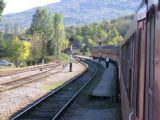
{"x":16,"y":99}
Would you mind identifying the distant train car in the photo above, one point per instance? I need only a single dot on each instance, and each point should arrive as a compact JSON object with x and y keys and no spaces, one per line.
{"x":95,"y":52}
{"x":104,"y":52}
{"x":110,"y":52}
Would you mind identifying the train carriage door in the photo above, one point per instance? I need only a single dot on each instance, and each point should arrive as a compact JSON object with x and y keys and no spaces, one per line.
{"x":140,"y":68}
{"x":149,"y":64}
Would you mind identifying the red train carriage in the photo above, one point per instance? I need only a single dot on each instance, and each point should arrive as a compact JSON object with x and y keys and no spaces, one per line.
{"x":132,"y":67}
{"x":126,"y":72}
{"x":140,"y":65}
{"x":152,"y":87}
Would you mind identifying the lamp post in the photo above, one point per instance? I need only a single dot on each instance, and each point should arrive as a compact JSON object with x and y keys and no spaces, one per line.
{"x":100,"y":49}
{"x":43,"y":38}
{"x":42,"y":47}
{"x":70,"y":70}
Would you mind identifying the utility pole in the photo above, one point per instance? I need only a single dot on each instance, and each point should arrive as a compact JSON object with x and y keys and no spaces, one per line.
{"x":42,"y":57}
{"x":43,"y":33}
{"x":43,"y":46}
{"x":70,"y":70}
{"x":57,"y":37}
{"x":100,"y":49}
{"x":57,"y":42}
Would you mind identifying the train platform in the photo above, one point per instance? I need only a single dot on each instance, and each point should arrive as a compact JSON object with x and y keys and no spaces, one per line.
{"x":107,"y":84}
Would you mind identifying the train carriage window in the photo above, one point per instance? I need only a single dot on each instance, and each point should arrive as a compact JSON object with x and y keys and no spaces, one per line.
{"x":138,"y":73}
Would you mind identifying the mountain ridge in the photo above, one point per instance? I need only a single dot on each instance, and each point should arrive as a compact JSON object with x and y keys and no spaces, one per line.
{"x":78,"y":12}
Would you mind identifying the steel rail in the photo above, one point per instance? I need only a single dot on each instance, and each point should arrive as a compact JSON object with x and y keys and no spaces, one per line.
{"x":26,"y":80}
{"x":8,"y":73}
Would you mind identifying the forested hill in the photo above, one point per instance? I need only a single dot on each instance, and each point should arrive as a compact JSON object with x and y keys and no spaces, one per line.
{"x":78,"y":12}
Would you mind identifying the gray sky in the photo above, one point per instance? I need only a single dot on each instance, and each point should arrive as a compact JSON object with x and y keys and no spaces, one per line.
{"x":14,"y":6}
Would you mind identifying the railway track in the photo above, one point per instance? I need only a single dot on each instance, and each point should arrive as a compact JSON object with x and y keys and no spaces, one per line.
{"x":22,"y":70}
{"x":29,"y":79}
{"x":55,"y":103}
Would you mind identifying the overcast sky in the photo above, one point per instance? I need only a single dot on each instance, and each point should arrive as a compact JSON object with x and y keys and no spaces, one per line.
{"x":14,"y":6}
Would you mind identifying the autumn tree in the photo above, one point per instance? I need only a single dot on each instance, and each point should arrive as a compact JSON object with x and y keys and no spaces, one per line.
{"x":18,"y":51}
{"x":24,"y":51}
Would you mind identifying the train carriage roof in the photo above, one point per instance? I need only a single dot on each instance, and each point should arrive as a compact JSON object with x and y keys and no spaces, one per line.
{"x":95,"y":47}
{"x":110,"y":47}
{"x":106,"y":47}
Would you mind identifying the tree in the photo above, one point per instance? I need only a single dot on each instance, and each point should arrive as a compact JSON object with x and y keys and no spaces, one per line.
{"x":65,"y":44}
{"x":18,"y":51}
{"x":42,"y":24}
{"x":59,"y":33}
{"x":91,"y":43}
{"x":115,"y":41}
{"x":24,"y":51}
{"x":50,"y":29}
{"x":112,"y":33}
{"x":2,"y":6}
{"x":3,"y":47}
{"x":39,"y":21}
{"x":35,"y":49}
{"x":50,"y":36}
{"x":2,"y":42}
{"x":113,"y":37}
{"x":13,"y":50}
{"x":71,"y":31}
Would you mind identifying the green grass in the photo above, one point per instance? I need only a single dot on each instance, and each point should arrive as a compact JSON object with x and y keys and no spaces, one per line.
{"x":62,"y":57}
{"x":7,"y":68}
{"x":51,"y":87}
